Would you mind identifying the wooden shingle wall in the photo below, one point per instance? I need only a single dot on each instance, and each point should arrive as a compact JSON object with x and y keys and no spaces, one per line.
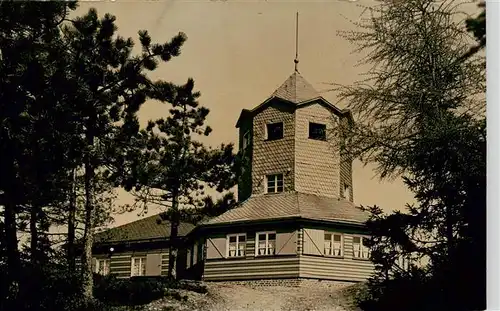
{"x":272,"y":157}
{"x":316,"y":162}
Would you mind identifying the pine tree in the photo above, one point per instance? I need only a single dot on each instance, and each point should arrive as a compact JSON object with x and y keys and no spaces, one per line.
{"x":414,"y":50}
{"x":422,"y":115}
{"x":107,"y":86}
{"x":171,"y":167}
{"x":32,"y":156}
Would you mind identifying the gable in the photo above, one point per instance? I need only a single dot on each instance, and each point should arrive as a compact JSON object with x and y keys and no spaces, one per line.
{"x":247,"y":114}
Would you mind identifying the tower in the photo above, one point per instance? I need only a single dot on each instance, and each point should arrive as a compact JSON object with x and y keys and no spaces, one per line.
{"x":291,"y":143}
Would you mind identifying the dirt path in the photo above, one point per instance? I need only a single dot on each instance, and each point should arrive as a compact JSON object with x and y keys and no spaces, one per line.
{"x":232,"y":297}
{"x":244,"y":298}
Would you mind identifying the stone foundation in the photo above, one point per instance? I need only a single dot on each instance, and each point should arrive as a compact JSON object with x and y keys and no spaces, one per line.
{"x":295,"y":282}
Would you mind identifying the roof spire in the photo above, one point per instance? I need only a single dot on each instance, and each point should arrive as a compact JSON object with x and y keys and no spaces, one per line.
{"x":296,"y":60}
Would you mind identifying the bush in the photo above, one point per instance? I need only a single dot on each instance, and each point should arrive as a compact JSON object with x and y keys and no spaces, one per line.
{"x":130,"y":292}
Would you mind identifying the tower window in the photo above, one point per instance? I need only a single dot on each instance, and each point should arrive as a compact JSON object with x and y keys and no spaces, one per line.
{"x":274,"y":131}
{"x":347,"y":192}
{"x":317,"y":131}
{"x":246,"y":140}
{"x":274,"y":183}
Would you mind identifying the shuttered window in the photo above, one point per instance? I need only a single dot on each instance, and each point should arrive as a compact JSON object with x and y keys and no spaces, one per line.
{"x":246,"y":140}
{"x":102,"y":266}
{"x":359,"y":248}
{"x":236,"y":245}
{"x":138,"y":266}
{"x":265,"y":243}
{"x":334,"y":244}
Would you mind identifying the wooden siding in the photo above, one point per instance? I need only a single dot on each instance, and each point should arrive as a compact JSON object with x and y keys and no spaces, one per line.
{"x":164,"y":263}
{"x":272,"y":157}
{"x":252,"y":268}
{"x":286,"y":243}
{"x":314,"y":264}
{"x":120,"y":264}
{"x":329,"y":268}
{"x":316,"y":162}
{"x":313,"y":241}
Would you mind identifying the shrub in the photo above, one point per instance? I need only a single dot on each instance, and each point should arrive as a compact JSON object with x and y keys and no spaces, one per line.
{"x":130,"y":292}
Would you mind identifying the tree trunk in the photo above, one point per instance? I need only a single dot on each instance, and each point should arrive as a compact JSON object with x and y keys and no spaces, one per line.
{"x":174,"y":231}
{"x":34,"y":235}
{"x":13,"y":256}
{"x":87,"y":273}
{"x":71,"y":223}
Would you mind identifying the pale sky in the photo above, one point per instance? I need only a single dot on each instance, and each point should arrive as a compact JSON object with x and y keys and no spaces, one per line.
{"x":239,"y":52}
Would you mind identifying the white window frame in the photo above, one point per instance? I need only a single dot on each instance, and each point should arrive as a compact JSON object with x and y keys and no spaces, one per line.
{"x":246,"y":140}
{"x":238,"y":253}
{"x":275,"y":176}
{"x":347,"y":192}
{"x":364,"y":251}
{"x":102,"y":262}
{"x":272,"y":123}
{"x":332,"y":245}
{"x":142,"y":261}
{"x":268,"y":250}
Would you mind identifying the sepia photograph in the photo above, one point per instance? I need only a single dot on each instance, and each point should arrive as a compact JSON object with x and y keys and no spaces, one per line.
{"x":211,"y":155}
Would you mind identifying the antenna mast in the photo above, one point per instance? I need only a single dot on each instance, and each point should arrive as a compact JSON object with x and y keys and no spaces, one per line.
{"x":296,"y":60}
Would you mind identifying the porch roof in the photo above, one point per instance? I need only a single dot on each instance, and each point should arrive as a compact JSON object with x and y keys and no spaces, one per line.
{"x":292,"y":205}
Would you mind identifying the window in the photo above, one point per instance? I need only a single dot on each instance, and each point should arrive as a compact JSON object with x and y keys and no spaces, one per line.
{"x":191,"y":256}
{"x":317,"y":131}
{"x":274,"y":183}
{"x":102,"y":266}
{"x":333,"y":244}
{"x":360,"y":250}
{"x":274,"y":131}
{"x":236,"y":245}
{"x":138,"y":266}
{"x":347,"y":193}
{"x":265,"y":243}
{"x":200,"y":253}
{"x":246,"y":140}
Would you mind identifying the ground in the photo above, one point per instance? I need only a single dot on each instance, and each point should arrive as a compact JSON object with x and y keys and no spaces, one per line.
{"x":238,"y":297}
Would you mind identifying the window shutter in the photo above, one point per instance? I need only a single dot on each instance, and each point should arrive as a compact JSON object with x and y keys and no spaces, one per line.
{"x":195,"y":253}
{"x":153,"y":264}
{"x":188,"y":258}
{"x":286,"y":243}
{"x":216,"y":248}
{"x":314,"y":241}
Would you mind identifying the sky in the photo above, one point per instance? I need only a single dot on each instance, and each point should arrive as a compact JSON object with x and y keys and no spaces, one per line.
{"x":239,"y":52}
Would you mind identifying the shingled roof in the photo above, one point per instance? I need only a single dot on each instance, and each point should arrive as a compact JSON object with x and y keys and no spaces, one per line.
{"x":291,"y":205}
{"x":149,"y":228}
{"x":296,"y":90}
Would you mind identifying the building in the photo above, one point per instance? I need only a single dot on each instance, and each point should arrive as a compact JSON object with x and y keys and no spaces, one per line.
{"x":296,"y":220}
{"x":139,"y":248}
